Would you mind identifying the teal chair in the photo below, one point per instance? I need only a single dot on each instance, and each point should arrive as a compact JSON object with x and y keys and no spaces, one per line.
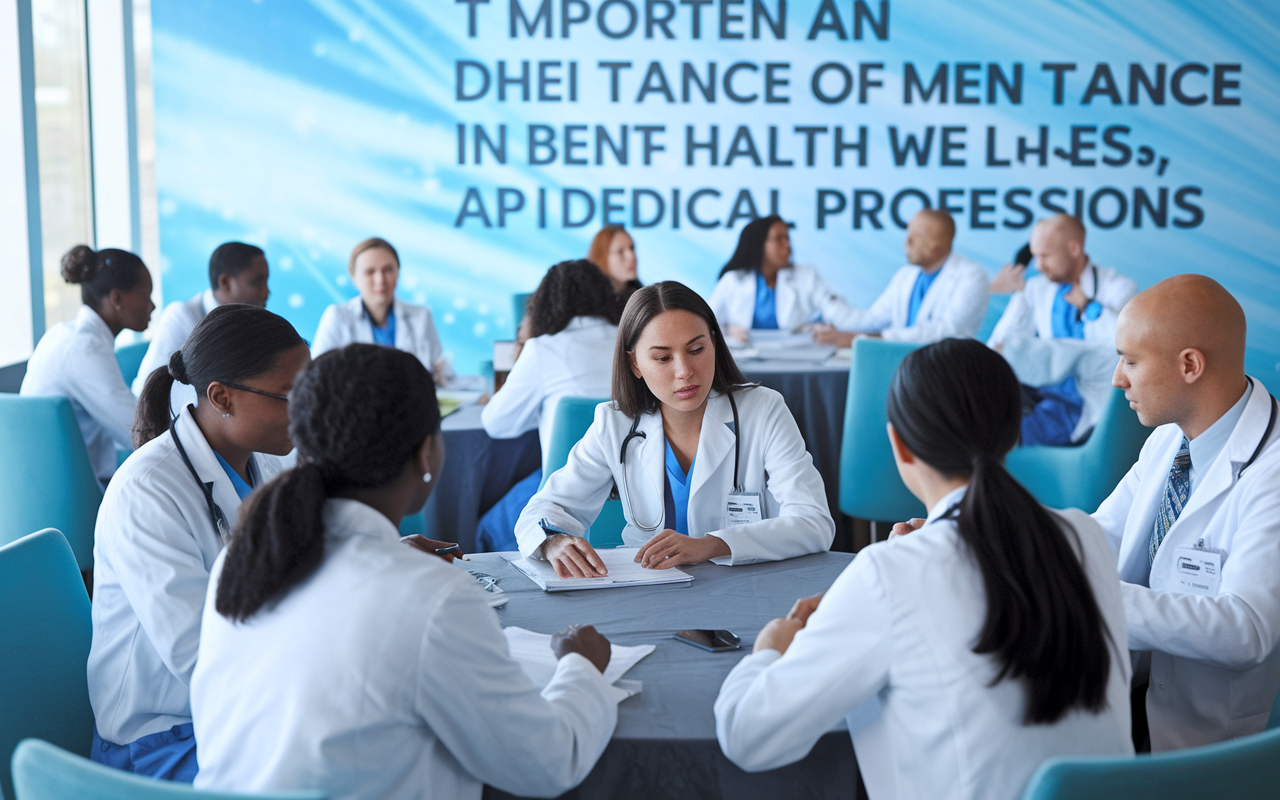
{"x":870,"y":488}
{"x":130,"y":358}
{"x":42,"y":771}
{"x":519,"y":302}
{"x":1242,"y":769}
{"x":572,"y":417}
{"x":44,"y":646}
{"x":1083,"y":475}
{"x":46,"y":480}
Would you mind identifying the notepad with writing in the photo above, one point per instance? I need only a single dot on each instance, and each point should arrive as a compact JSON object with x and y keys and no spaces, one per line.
{"x":623,"y":571}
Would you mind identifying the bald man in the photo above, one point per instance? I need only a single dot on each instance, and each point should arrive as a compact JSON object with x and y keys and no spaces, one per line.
{"x":1058,"y":333}
{"x":938,"y":293}
{"x":1196,"y":522}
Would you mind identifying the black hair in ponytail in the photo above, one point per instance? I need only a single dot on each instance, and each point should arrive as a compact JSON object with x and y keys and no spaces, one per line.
{"x":356,"y":415}
{"x":957,"y":406}
{"x":101,"y":272}
{"x":232,"y":343}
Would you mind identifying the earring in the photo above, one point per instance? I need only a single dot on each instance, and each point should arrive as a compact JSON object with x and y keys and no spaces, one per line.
{"x":224,"y":416}
{"x":426,"y":478}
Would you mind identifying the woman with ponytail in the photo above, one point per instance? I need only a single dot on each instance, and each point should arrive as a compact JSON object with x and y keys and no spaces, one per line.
{"x":167,"y":515}
{"x":964,"y":653}
{"x":77,"y":359}
{"x":333,"y":657}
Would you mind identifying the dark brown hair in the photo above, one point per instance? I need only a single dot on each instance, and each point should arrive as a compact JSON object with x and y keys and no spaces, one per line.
{"x":101,"y":272}
{"x":372,"y":243}
{"x":630,"y":393}
{"x":571,"y":289}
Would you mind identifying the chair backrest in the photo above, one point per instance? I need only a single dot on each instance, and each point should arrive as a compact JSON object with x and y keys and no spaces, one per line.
{"x":45,"y":631}
{"x":1082,"y":476}
{"x":130,"y":358}
{"x":1242,"y":769}
{"x":46,"y":479}
{"x":519,"y":302}
{"x":571,"y":419}
{"x":869,"y":484}
{"x":42,"y":771}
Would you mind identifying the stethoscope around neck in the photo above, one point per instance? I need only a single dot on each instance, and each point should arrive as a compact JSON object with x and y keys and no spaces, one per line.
{"x":636,"y":433}
{"x":216,"y":517}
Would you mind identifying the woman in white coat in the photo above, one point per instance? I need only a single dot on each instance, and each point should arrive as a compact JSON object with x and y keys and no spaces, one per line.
{"x":760,"y":289}
{"x":166,"y":516}
{"x":708,"y":467}
{"x":964,"y":653}
{"x":77,"y":359}
{"x":333,"y":657}
{"x":377,"y":316}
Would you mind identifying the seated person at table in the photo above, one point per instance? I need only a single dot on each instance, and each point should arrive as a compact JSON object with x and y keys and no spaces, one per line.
{"x":685,"y":440}
{"x":1059,"y":331}
{"x":76,"y":359}
{"x":238,"y":273}
{"x":962,"y":654}
{"x":614,"y":252}
{"x":158,"y":531}
{"x":333,"y":657}
{"x":761,"y":289}
{"x":938,"y":294}
{"x":573,"y":321}
{"x":377,"y":316}
{"x":1205,"y":493}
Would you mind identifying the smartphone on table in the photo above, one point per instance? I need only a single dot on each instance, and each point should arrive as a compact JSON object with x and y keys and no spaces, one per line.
{"x":715,"y":641}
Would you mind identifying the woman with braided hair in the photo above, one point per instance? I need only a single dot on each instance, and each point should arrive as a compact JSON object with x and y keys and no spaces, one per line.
{"x":334,"y":657}
{"x":166,"y":516}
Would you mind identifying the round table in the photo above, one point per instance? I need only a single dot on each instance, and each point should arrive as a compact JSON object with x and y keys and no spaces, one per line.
{"x":665,"y":743}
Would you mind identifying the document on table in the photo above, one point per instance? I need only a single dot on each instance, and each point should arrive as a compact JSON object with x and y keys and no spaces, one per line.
{"x":533,"y":651}
{"x":623,"y":571}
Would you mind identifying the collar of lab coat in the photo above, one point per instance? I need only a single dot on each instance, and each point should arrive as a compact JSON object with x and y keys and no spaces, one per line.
{"x":89,"y":320}
{"x":948,"y":500}
{"x":206,"y":465}
{"x":344,"y":518}
{"x":784,"y":296}
{"x":937,"y":293}
{"x":715,"y":442}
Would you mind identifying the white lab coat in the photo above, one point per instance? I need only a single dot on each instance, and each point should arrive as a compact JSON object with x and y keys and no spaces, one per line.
{"x":177,"y":321}
{"x":576,"y":362}
{"x":801,"y":297}
{"x":384,"y":675}
{"x":890,"y":650}
{"x":76,"y":359}
{"x":773,"y":461}
{"x":1215,"y":666}
{"x":954,"y":306}
{"x":1026,"y":332}
{"x":345,"y":323}
{"x":153,"y":548}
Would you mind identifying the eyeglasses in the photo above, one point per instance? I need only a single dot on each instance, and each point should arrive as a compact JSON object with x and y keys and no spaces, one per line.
{"x":243,"y":388}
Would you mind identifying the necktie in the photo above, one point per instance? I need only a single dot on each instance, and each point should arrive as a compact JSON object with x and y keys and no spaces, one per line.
{"x":1176,"y":490}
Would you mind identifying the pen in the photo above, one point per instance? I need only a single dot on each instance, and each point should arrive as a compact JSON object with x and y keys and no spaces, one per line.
{"x":444,"y":551}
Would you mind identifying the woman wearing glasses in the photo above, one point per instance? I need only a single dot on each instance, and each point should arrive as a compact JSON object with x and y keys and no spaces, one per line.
{"x":165,"y":518}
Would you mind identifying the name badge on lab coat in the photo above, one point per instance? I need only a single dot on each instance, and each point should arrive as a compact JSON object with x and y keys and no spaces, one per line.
{"x":743,"y":508}
{"x":1198,"y":571}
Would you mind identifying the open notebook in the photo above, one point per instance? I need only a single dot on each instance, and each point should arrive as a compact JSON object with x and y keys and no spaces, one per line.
{"x":623,"y":571}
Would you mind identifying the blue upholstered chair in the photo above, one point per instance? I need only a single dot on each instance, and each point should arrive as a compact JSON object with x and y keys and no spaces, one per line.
{"x":44,"y":646}
{"x":130,"y":358}
{"x":519,"y":302}
{"x":1083,"y":475}
{"x":46,"y":479}
{"x":869,"y":484}
{"x":1241,"y":769}
{"x":42,"y":771}
{"x":572,"y":417}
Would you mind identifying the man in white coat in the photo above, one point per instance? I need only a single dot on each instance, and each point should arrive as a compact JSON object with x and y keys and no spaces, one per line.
{"x":1196,"y":522}
{"x":938,"y":294}
{"x":1058,"y":332}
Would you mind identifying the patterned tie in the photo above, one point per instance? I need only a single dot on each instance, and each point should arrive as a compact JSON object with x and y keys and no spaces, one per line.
{"x":1176,"y":491}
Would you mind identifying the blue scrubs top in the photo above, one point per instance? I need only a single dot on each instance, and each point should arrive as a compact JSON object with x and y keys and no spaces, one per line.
{"x":243,"y":489}
{"x":386,"y":335}
{"x":677,"y":493}
{"x":766,"y":313}
{"x":923,"y":281}
{"x":1056,"y":415}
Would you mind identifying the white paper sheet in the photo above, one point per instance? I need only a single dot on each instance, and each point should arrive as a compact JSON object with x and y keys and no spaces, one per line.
{"x":623,"y":571}
{"x":533,"y":651}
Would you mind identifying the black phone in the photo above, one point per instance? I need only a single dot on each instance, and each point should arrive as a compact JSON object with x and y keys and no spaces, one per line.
{"x":1023,"y":256}
{"x":720,"y":641}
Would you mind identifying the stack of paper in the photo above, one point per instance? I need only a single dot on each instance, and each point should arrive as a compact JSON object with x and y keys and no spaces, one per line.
{"x":623,"y":571}
{"x":533,"y":651}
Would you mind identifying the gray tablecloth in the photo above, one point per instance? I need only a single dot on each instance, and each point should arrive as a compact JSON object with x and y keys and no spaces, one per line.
{"x":478,"y":471}
{"x":665,"y":743}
